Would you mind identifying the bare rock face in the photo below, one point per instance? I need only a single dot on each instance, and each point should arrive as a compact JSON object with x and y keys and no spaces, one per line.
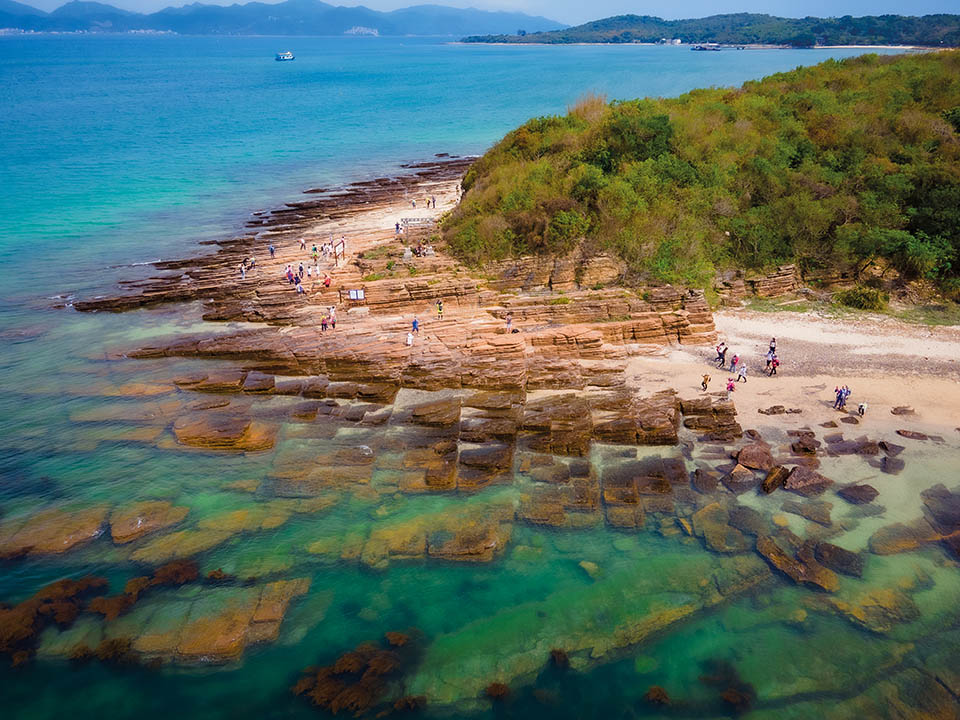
{"x":714,"y":418}
{"x":134,"y":521}
{"x":561,"y":424}
{"x":258,"y":382}
{"x":437,"y":413}
{"x":756,"y":457}
{"x":806,"y":481}
{"x":223,"y":432}
{"x":222,"y":381}
{"x":50,"y":532}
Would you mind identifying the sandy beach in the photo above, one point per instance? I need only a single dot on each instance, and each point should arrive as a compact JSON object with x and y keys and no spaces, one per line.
{"x":886,"y":363}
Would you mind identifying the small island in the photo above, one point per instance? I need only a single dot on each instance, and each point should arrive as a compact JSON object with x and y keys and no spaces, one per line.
{"x":740,"y":29}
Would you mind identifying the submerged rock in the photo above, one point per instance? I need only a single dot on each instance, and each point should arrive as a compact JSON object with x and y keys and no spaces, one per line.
{"x":901,"y":537}
{"x":806,"y":481}
{"x":801,"y":567}
{"x":838,"y":559}
{"x":858,"y":494}
{"x":817,"y":511}
{"x":58,"y":603}
{"x":51,"y":532}
{"x":134,"y":521}
{"x":656,"y":695}
{"x":712,"y":524}
{"x":740,"y":479}
{"x":219,"y":431}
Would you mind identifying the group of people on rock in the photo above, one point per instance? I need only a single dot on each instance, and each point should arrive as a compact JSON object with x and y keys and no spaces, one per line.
{"x":329,"y":318}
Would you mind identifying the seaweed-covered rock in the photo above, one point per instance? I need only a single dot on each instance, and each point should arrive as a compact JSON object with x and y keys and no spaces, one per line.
{"x":775,"y":478}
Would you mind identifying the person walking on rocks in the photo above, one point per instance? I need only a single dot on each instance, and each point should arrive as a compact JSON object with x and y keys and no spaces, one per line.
{"x":416,"y":326}
{"x":742,"y":372}
{"x":409,"y":338}
{"x":300,"y":290}
{"x":333,"y":317}
{"x":323,"y":323}
{"x":733,"y":362}
{"x":326,"y":280}
{"x":397,"y":231}
{"x":773,"y":346}
{"x":439,"y":309}
{"x":705,"y":382}
{"x":862,"y":409}
{"x":300,"y":272}
{"x":774,"y":364}
{"x":243,"y":271}
{"x":434,"y":200}
{"x":303,"y":243}
{"x":273,"y":251}
{"x":770,"y":356}
{"x":721,"y":355}
{"x":315,"y":253}
{"x":509,"y":320}
{"x":731,"y":386}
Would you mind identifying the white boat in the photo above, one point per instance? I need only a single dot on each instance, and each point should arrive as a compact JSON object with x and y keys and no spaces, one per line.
{"x":283,"y":56}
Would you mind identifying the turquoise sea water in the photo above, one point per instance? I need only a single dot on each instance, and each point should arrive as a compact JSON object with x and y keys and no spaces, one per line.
{"x":120,"y":150}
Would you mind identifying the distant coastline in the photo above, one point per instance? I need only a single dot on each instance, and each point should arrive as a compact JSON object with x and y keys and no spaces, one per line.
{"x":743,"y":46}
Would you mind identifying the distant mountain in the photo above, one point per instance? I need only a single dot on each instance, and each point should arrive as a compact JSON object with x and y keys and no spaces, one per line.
{"x":14,"y":8}
{"x":293,"y":17}
{"x":749,"y":28}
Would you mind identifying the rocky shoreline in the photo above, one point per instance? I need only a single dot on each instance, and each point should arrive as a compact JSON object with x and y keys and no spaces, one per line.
{"x":574,"y":417}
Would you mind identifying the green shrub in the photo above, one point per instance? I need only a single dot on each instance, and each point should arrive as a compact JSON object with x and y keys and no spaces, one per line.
{"x":838,"y":165}
{"x":863,"y":298}
{"x":559,"y":301}
{"x":373,"y":277}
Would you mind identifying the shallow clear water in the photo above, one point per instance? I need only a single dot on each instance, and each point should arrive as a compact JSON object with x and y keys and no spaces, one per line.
{"x":118,"y":150}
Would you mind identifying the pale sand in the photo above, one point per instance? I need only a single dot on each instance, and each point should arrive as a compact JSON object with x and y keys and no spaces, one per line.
{"x":885,"y":362}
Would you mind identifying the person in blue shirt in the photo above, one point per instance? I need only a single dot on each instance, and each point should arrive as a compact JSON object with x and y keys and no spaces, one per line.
{"x":416,"y":326}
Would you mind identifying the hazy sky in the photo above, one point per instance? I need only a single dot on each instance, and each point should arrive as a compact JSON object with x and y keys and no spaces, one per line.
{"x":577,"y":11}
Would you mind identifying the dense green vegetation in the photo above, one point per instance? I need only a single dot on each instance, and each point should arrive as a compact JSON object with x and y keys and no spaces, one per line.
{"x":749,"y":28}
{"x":850,"y":163}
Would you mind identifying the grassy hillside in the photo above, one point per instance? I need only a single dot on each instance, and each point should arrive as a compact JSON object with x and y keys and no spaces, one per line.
{"x":838,"y":164}
{"x":743,"y":28}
